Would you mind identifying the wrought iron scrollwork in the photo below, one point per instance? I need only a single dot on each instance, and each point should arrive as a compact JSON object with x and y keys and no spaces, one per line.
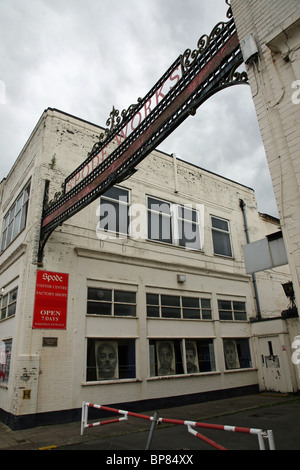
{"x":235,"y":76}
{"x":189,"y":57}
{"x":115,"y":119}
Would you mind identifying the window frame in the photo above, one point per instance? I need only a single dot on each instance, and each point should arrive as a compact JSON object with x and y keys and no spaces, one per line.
{"x":225,"y":233}
{"x":177,"y":220}
{"x":178,"y":363}
{"x":5,"y":361}
{"x":124,"y":371}
{"x":241,"y":345}
{"x":233,"y":312}
{"x":181,"y":307}
{"x":7,"y":302}
{"x":109,"y":200}
{"x":15,"y":222}
{"x":112,"y":302}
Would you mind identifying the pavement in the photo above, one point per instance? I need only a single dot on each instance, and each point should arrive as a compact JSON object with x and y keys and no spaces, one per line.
{"x":240,"y":411}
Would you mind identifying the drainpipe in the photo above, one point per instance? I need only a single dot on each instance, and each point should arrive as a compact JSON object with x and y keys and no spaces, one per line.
{"x":243,"y":208}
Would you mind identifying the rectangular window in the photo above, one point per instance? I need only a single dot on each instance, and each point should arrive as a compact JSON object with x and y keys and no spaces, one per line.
{"x":8,"y":304}
{"x":174,"y":306}
{"x":237,"y":353}
{"x":110,"y":359}
{"x":114,"y":211}
{"x":111,"y":302}
{"x":5,"y":357}
{"x":188,"y":228}
{"x":221,"y":237}
{"x":173,"y":224}
{"x":159,"y":221}
{"x":15,"y":219}
{"x":232,"y":310}
{"x":181,"y":356}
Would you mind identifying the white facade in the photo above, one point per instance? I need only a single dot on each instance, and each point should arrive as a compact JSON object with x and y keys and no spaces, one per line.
{"x":126,"y":289}
{"x":274,"y":76}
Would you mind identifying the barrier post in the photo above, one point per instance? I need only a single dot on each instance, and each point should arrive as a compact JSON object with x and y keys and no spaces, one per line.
{"x":83,"y":417}
{"x":271,"y":440}
{"x":154,"y":420}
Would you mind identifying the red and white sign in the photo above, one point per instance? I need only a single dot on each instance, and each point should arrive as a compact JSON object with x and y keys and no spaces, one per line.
{"x":51,"y":299}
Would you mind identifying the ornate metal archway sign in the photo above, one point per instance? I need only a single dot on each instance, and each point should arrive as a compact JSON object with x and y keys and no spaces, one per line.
{"x":192,"y":79}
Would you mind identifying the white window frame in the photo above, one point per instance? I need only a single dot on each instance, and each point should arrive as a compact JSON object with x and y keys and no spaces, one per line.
{"x":106,"y":200}
{"x":224,"y":232}
{"x":175,"y":220}
{"x":15,"y":222}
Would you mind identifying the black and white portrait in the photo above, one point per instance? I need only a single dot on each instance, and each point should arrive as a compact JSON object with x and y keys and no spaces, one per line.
{"x":231,"y":354}
{"x":165,"y":357}
{"x":191,"y":355}
{"x":107,"y":360}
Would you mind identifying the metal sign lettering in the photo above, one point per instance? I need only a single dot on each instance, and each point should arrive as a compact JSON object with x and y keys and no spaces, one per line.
{"x":134,"y":133}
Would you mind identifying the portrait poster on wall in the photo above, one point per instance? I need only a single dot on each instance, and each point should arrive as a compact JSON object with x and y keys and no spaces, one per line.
{"x":231,"y":354}
{"x":165,"y":357}
{"x":191,"y":355}
{"x":107,"y":361}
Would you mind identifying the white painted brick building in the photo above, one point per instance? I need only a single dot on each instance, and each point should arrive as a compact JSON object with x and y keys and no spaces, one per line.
{"x":274,"y":77}
{"x":124,"y":287}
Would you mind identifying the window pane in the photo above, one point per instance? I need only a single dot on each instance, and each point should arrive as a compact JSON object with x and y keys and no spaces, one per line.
{"x":24,"y":216}
{"x":99,"y":294}
{"x":170,"y":312}
{"x":117,"y":193}
{"x":13,"y":295}
{"x":159,"y":206}
{"x":5,"y":300}
{"x":114,"y":217}
{"x":206,"y":355}
{"x":152,"y":299}
{"x":224,"y":304}
{"x":98,"y":308}
{"x":124,"y":310}
{"x":219,"y":223}
{"x":191,"y":313}
{"x":152,"y":311}
{"x":187,"y":214}
{"x":225,"y":315}
{"x":123,"y":296}
{"x":11,"y":309}
{"x":190,"y":302}
{"x":189,"y":234}
{"x":221,"y":243}
{"x":159,"y":227}
{"x":171,"y":300}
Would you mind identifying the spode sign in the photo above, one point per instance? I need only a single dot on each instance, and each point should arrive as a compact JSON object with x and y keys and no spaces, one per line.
{"x":51,"y":298}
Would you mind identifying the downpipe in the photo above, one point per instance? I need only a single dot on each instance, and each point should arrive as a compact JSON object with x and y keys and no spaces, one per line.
{"x":243,"y":209}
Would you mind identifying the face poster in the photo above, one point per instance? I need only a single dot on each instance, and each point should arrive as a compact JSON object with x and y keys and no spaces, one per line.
{"x":107,"y":366}
{"x":51,"y":299}
{"x":165,"y":357}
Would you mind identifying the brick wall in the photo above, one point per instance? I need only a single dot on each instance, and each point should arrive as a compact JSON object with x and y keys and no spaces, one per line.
{"x":275,"y":26}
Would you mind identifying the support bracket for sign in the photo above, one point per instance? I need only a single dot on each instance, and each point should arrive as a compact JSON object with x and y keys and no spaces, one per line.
{"x":198,"y":74}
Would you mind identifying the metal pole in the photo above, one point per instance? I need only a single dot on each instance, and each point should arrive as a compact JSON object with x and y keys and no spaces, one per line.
{"x":154,"y":420}
{"x":271,"y":440}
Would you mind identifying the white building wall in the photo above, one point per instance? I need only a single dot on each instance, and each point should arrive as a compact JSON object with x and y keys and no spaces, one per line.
{"x":274,"y":80}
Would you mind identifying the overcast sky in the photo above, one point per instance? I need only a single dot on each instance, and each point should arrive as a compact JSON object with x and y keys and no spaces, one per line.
{"x":84,"y":56}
